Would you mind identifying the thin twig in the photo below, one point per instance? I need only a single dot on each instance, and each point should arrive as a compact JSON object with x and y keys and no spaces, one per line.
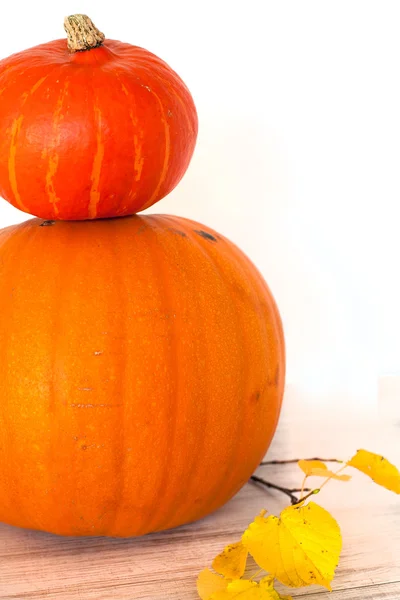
{"x":289,"y":492}
{"x":310,"y":493}
{"x":296,"y":460}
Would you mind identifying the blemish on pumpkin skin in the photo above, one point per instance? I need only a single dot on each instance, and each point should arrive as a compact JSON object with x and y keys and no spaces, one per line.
{"x":255,"y":397}
{"x":273,"y":381}
{"x":177,"y":232}
{"x":167,"y":152}
{"x":16,"y":127}
{"x":47,"y":223}
{"x":52,"y":151}
{"x":206,"y":235}
{"x":97,"y":166}
{"x":139,"y":158}
{"x":137,"y":138}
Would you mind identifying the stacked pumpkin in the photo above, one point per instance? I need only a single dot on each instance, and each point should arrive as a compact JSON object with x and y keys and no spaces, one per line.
{"x":141,"y":358}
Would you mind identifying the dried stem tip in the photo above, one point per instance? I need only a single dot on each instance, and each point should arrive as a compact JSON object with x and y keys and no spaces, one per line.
{"x":82,"y":33}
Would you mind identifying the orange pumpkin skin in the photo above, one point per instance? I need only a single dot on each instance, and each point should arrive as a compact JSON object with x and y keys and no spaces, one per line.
{"x":142,"y":372}
{"x":100,"y":133}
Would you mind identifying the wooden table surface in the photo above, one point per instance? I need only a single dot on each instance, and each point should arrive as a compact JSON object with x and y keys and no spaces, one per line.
{"x":165,"y":566}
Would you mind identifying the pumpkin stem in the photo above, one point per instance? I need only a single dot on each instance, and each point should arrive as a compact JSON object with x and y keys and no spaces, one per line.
{"x":82,"y":33}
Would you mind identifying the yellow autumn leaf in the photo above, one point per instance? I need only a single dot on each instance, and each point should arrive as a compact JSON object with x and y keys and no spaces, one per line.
{"x":245,"y":589}
{"x":316,"y":468}
{"x":231,"y":563}
{"x":267,"y":583}
{"x":300,"y":548}
{"x":307,"y":466}
{"x":378,"y":468}
{"x":330,"y":474}
{"x":208,"y":583}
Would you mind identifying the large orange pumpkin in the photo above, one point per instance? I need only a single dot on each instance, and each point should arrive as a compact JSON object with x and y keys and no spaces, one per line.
{"x":102,"y":129}
{"x":141,"y":374}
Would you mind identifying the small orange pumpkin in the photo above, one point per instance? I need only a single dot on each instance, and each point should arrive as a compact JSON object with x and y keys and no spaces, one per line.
{"x":95,"y":129}
{"x":142,"y":371}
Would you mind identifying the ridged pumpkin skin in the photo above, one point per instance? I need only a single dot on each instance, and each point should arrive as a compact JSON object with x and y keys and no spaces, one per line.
{"x":101,"y":133}
{"x":142,"y":371}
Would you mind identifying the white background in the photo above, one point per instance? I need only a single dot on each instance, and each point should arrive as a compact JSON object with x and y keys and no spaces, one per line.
{"x":298,"y":158}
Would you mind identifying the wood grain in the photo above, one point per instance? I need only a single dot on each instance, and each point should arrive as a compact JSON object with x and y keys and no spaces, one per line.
{"x":164,"y":566}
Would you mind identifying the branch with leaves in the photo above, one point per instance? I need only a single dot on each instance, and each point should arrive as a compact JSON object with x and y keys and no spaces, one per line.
{"x":299,"y":548}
